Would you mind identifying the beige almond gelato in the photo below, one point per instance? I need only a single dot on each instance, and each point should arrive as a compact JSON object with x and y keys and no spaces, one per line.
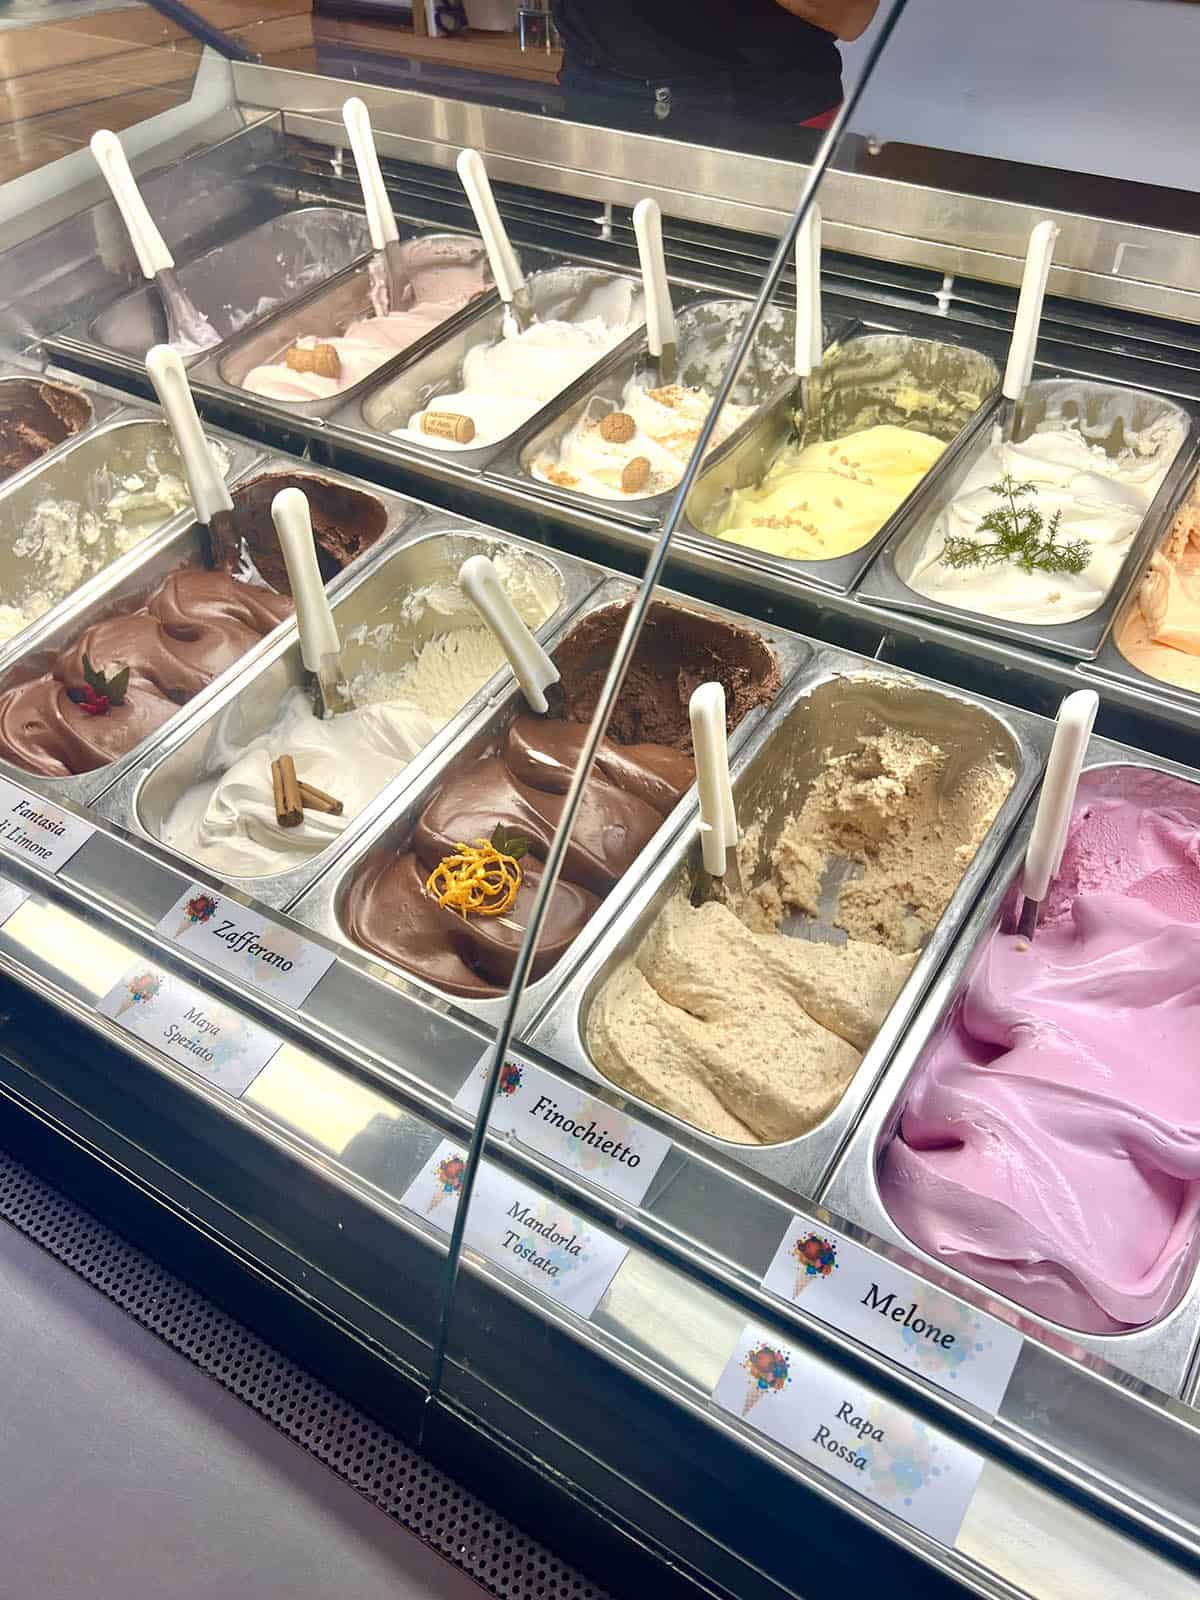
{"x":751,"y":1034}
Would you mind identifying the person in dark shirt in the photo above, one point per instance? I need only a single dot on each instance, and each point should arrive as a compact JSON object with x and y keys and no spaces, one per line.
{"x":701,"y":69}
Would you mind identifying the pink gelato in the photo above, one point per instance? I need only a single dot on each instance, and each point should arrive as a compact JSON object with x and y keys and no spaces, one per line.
{"x":1050,"y":1146}
{"x":444,"y":275}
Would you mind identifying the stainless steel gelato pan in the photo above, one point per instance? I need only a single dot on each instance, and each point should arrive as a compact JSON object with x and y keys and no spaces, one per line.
{"x":382,"y":864}
{"x":1103,"y":516}
{"x":386,"y":615}
{"x":934,"y":387}
{"x":236,"y":284}
{"x":1158,"y":1353}
{"x":837,"y":715}
{"x":37,"y":417}
{"x":328,"y":312}
{"x":562,"y":294}
{"x":555,"y":458}
{"x":94,"y":501}
{"x":174,"y":651}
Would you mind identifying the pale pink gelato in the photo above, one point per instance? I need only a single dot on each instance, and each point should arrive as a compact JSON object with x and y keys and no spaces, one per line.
{"x":444,"y":275}
{"x":1050,"y":1146}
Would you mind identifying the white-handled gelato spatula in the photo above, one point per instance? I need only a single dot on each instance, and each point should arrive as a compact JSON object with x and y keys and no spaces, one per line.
{"x":211,"y":499}
{"x":502,"y":258}
{"x":381,"y":223}
{"x":320,"y":647}
{"x":1048,"y":840}
{"x":187,"y":328}
{"x":532,"y":667}
{"x":1023,"y":347}
{"x":810,"y":342}
{"x":661,"y":338}
{"x":718,"y":814}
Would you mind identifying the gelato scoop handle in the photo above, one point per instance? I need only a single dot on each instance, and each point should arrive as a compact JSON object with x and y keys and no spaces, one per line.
{"x":209,"y":493}
{"x":718,"y":815}
{"x":660,"y":314}
{"x":809,"y":337}
{"x":380,"y":222}
{"x":1048,"y":840}
{"x":320,"y":647}
{"x":1023,"y":347}
{"x":532,"y":667}
{"x":148,"y":243}
{"x":502,"y":257}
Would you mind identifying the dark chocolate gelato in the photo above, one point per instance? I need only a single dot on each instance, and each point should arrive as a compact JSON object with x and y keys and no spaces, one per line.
{"x":191,"y":628}
{"x":345,"y":523}
{"x":520,"y":781}
{"x":34,"y":417}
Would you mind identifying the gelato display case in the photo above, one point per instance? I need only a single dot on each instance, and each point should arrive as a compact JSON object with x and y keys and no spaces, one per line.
{"x":825,"y":1232}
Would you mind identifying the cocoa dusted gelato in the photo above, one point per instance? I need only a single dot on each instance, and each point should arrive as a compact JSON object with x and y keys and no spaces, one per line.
{"x":519,"y":783}
{"x":34,"y":417}
{"x":194,"y":625}
{"x":345,"y":522}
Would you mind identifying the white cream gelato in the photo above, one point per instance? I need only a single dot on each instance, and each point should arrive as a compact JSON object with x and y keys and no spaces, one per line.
{"x":65,"y":542}
{"x":1099,"y":499}
{"x":505,"y":383}
{"x":402,"y":698}
{"x":597,"y":455}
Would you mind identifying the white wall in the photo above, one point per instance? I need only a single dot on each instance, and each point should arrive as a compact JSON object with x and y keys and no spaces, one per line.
{"x":1105,"y":86}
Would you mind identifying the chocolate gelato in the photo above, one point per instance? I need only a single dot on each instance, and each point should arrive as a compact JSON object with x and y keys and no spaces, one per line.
{"x":34,"y":417}
{"x":345,"y":523}
{"x":678,"y":650}
{"x":191,"y":628}
{"x":519,"y":780}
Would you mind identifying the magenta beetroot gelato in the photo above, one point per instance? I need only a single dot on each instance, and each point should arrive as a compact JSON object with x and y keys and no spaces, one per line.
{"x":1050,"y":1146}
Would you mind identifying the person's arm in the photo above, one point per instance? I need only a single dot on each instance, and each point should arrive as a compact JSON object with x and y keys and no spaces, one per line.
{"x":845,"y":19}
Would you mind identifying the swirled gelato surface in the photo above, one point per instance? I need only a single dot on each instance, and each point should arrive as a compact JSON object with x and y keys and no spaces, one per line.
{"x":443,"y":276}
{"x":1099,"y":499}
{"x":402,"y":696}
{"x":504,"y":383}
{"x":192,"y":627}
{"x":1160,"y":634}
{"x":1049,"y":1146}
{"x":520,"y":779}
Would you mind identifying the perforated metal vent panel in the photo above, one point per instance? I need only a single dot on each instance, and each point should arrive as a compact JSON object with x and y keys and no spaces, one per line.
{"x":400,"y":1482}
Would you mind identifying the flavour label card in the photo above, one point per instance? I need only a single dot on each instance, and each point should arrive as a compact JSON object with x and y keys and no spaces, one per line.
{"x":192,"y":1028}
{"x":248,"y":945}
{"x":574,"y":1129}
{"x":962,"y":1350}
{"x":924,"y":1477}
{"x":527,"y":1233}
{"x":38,"y":831}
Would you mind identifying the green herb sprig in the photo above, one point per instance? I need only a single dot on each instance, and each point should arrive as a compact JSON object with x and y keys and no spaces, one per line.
{"x":508,"y":843}
{"x":1021,"y":536}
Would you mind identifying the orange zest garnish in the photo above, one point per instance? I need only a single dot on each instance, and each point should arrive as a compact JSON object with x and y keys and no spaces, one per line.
{"x":479,"y":879}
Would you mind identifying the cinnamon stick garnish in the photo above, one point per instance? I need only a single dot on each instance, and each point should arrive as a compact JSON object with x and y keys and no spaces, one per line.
{"x":289,"y":808}
{"x":317,"y":800}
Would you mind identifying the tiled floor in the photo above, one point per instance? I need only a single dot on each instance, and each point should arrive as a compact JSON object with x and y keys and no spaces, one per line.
{"x":68,"y":67}
{"x":70,"y":70}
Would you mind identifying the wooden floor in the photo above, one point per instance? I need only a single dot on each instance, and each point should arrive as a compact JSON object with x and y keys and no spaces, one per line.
{"x":61,"y":80}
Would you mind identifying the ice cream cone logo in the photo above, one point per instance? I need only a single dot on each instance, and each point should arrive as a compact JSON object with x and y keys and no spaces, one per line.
{"x":768,"y":1372}
{"x":815,"y":1257}
{"x":199,"y":910}
{"x":510,"y":1078}
{"x":448,"y":1176}
{"x":139,"y":991}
